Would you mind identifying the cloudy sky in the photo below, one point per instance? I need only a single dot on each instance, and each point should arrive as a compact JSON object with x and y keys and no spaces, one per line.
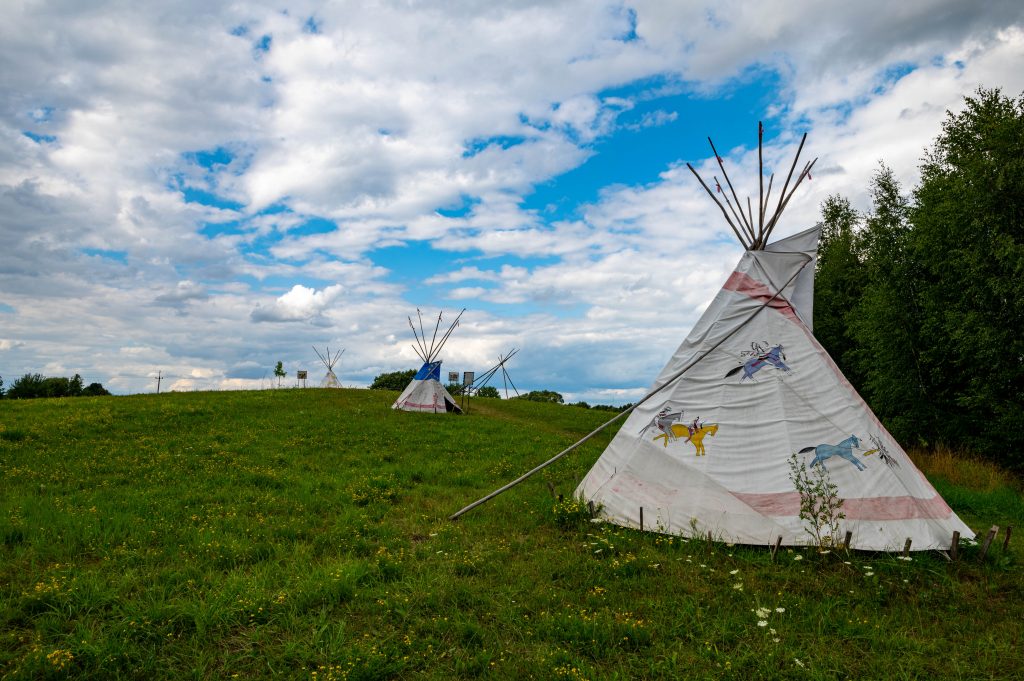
{"x":203,"y":188}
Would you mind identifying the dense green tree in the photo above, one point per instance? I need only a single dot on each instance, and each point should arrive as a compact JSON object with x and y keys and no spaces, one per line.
{"x":35,"y":385}
{"x":280,"y":373}
{"x":393,"y":380}
{"x":969,"y":238}
{"x":94,"y":390}
{"x":887,"y":321}
{"x":488,"y":391}
{"x":838,"y":284}
{"x":542,"y":396}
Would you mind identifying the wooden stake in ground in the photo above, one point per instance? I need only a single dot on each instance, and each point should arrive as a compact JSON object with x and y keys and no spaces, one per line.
{"x":988,"y":542}
{"x":906,"y":548}
{"x":954,"y":546}
{"x":775,"y":547}
{"x":846,"y":540}
{"x":1006,"y":540}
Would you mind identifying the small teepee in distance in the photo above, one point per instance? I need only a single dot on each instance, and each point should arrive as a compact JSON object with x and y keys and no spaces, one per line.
{"x":708,"y":450}
{"x":425,"y":392}
{"x":330,"y":379}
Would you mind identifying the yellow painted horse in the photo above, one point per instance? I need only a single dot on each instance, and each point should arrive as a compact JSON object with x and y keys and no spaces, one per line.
{"x":697,"y":439}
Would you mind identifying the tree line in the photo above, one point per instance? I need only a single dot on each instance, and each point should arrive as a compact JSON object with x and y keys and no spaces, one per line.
{"x":31,"y":386}
{"x":920,"y":300}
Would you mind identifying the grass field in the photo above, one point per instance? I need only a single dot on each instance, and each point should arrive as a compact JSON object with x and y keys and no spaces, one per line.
{"x":303,"y":534}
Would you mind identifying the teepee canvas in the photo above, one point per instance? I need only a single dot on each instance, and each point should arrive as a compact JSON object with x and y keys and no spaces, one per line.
{"x":425,"y":392}
{"x":709,"y":448}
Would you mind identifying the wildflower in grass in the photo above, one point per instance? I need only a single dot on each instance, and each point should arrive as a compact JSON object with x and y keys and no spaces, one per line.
{"x":738,"y":586}
{"x":733,"y":572}
{"x":906,"y":558}
{"x":798,"y":557}
{"x":60,"y":659}
{"x":762,"y":623}
{"x":762,"y":613}
{"x":780,"y":610}
{"x":869,"y":574}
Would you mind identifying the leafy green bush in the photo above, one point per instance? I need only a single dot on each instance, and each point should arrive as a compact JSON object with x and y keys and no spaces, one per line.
{"x":488,"y":391}
{"x":393,"y":380}
{"x":542,"y":396}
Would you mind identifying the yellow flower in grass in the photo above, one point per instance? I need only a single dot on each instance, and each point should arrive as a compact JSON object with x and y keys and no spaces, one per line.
{"x":60,"y":659}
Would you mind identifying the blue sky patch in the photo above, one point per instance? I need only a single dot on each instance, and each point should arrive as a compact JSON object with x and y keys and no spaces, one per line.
{"x":475,"y":146}
{"x":5,"y":308}
{"x":205,"y":198}
{"x":637,"y":156}
{"x":39,"y":139}
{"x":118,"y":256}
{"x":208,"y":158}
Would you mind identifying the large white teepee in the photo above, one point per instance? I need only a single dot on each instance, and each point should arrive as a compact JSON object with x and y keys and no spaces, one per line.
{"x":750,"y":386}
{"x":330,"y":379}
{"x":425,"y":392}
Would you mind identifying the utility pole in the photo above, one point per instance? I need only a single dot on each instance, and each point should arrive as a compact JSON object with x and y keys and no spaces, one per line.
{"x":159,"y":376}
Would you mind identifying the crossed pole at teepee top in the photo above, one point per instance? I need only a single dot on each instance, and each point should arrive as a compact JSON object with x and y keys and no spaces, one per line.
{"x":755,"y":239}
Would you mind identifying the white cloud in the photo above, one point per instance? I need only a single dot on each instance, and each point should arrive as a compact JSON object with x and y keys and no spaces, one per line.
{"x":388,"y":114}
{"x":299,"y":304}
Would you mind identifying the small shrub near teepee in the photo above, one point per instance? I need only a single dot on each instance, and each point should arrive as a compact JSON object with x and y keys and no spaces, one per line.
{"x":571,"y":512}
{"x":820,"y":503}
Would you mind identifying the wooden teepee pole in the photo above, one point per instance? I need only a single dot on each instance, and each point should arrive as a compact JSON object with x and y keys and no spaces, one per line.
{"x":775,"y":220}
{"x":720,"y":207}
{"x":778,"y":209}
{"x":760,"y":179}
{"x":739,"y":206}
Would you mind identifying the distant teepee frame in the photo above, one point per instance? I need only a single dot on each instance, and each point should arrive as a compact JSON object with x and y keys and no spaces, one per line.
{"x":330,"y":378}
{"x":755,"y":239}
{"x":482,"y":379}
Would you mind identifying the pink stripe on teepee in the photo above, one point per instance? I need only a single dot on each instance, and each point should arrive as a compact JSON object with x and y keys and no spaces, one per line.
{"x":875,"y":508}
{"x":747,"y":285}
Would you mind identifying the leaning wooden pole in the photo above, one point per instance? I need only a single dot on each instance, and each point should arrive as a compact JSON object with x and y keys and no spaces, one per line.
{"x":720,"y":207}
{"x":669,"y":381}
{"x":739,"y":206}
{"x":775,"y":220}
{"x":778,"y":209}
{"x":760,"y":180}
{"x":739,"y":220}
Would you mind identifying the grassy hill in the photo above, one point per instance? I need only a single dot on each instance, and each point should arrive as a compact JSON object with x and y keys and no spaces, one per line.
{"x":303,"y":534}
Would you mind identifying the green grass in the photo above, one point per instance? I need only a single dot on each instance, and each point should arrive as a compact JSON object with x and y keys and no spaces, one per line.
{"x":303,"y":534}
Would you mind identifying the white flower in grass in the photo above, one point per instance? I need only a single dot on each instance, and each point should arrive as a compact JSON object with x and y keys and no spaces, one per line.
{"x":762,"y":623}
{"x":776,"y":640}
{"x":762,"y":613}
{"x":798,"y":557}
{"x":733,"y":572}
{"x":738,"y":586}
{"x":798,"y":662}
{"x":869,"y":574}
{"x":780,"y":610}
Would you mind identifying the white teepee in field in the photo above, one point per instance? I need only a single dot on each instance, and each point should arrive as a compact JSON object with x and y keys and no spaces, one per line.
{"x":425,"y":392}
{"x":709,"y":451}
{"x":330,"y":379}
{"x":708,"y":448}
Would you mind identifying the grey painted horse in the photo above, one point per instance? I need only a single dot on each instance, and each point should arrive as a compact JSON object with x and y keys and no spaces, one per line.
{"x":843,"y":449}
